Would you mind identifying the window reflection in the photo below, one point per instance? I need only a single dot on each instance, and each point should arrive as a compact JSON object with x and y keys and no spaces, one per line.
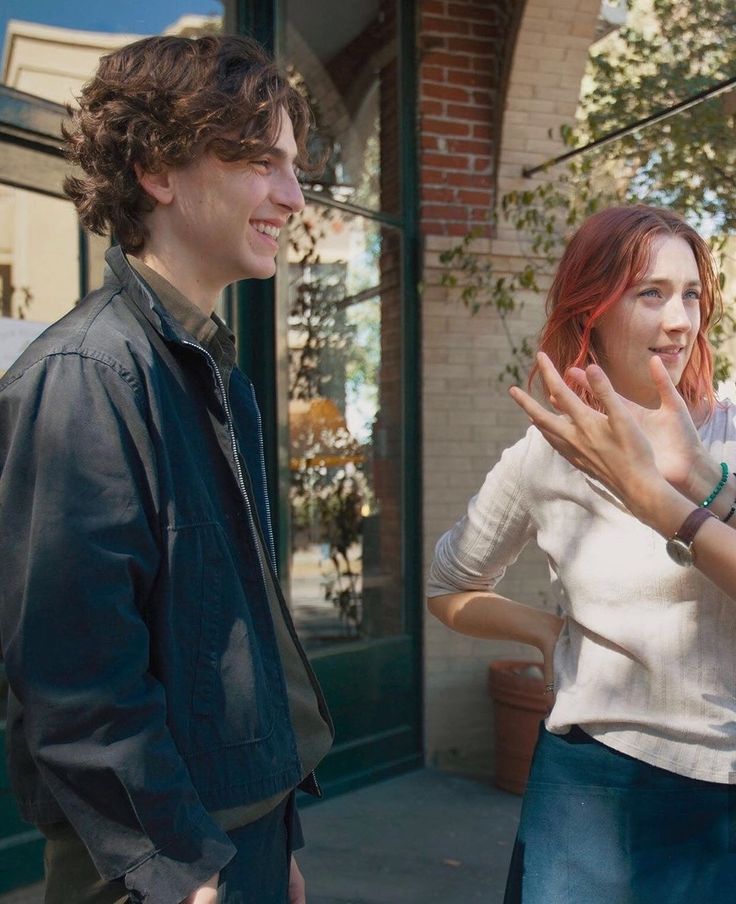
{"x":349,"y":73}
{"x":343,"y":401}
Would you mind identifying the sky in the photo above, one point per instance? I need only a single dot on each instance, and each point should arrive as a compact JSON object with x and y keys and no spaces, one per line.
{"x":129,"y":16}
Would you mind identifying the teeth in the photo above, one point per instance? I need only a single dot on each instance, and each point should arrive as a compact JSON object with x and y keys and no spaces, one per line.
{"x":267,"y":229}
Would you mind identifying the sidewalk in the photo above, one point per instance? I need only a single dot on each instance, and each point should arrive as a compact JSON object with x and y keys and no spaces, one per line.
{"x":426,"y":837}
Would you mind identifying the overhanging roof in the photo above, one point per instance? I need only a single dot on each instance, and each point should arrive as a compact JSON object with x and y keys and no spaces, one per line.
{"x":31,"y":155}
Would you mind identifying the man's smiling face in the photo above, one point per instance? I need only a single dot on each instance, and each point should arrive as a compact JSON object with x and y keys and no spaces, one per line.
{"x":228,"y":214}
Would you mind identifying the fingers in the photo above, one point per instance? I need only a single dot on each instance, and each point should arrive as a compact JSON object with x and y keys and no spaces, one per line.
{"x":565,"y":399}
{"x":601,"y":387}
{"x":578,"y":375}
{"x":536,"y":412}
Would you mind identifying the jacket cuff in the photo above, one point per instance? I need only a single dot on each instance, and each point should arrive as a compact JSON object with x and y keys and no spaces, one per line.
{"x":174,"y":872}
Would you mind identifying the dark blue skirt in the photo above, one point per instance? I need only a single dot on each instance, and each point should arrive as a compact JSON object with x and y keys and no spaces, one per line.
{"x":600,"y":827}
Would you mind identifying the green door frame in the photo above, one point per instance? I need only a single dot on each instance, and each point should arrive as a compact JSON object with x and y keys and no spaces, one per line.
{"x":392,"y":742}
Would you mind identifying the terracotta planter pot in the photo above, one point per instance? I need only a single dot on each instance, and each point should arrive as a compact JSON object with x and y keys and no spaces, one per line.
{"x":517,"y":689}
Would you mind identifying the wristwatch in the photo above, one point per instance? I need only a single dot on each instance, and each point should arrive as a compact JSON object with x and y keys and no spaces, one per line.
{"x":680,"y":546}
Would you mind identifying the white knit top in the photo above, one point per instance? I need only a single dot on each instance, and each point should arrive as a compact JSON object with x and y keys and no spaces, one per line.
{"x":646,"y":661}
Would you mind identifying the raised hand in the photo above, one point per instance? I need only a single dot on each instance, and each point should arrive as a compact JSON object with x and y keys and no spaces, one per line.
{"x":679,"y":454}
{"x":610,"y":446}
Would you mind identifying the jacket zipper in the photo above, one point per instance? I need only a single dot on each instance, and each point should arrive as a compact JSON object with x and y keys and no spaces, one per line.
{"x":269,"y":526}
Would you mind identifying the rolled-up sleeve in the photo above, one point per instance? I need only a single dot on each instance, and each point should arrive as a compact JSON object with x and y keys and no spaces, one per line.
{"x":474,"y":554}
{"x":81,"y":549}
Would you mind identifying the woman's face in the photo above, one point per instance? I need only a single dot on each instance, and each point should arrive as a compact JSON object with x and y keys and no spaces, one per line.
{"x":660,"y":315}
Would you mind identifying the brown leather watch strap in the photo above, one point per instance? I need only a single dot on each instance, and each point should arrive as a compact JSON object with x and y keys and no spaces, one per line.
{"x":691,"y":525}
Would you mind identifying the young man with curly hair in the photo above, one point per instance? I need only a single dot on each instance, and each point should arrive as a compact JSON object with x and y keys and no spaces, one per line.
{"x":161,"y":710}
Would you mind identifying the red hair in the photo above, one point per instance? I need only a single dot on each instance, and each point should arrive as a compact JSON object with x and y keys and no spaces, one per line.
{"x":609,"y":253}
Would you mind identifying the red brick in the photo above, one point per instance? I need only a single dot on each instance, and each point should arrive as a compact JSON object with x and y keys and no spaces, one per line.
{"x":482,"y":98}
{"x":442,"y":58}
{"x":458,"y":146}
{"x":468,"y":180}
{"x":481,"y":63}
{"x":482,"y":164}
{"x":456,"y":229}
{"x":431,"y":107}
{"x":463,"y":111}
{"x":472,"y":79}
{"x":468,"y":45}
{"x":438,"y":194}
{"x":445,"y":92}
{"x":483,"y":131}
{"x":445,"y":127}
{"x":432,"y":74}
{"x":444,"y":212}
{"x":434,"y":176}
{"x":446,"y":26}
{"x":480,"y":12}
{"x":486,"y":31}
{"x":429,"y":142}
{"x":450,"y":161}
{"x":433,"y":7}
{"x":475,"y":197}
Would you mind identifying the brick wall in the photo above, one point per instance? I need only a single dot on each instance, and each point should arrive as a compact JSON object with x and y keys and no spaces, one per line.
{"x":462,"y":48}
{"x":489,"y":90}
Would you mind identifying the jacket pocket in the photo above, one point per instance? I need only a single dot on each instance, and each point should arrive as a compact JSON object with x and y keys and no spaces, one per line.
{"x":229,"y":699}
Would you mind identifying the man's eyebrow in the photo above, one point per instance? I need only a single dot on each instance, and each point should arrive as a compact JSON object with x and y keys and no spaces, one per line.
{"x":278,"y":153}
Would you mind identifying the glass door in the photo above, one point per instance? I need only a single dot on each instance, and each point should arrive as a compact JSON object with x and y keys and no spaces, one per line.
{"x":342,"y":303}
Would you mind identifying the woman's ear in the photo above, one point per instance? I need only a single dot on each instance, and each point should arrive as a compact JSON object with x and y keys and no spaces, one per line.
{"x":156,"y":185}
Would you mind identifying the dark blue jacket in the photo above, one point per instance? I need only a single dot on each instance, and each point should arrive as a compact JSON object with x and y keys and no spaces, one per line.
{"x":146,"y":684}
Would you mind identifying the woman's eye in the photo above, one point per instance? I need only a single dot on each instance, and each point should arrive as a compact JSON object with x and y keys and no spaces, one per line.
{"x":649,"y":293}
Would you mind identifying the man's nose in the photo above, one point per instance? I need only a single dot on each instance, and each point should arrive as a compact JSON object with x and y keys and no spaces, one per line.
{"x":289,"y":193}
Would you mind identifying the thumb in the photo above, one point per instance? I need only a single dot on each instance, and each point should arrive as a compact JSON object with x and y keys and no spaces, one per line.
{"x":667,"y":390}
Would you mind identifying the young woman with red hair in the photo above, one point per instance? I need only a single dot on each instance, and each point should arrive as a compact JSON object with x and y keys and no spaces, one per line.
{"x":628,"y":799}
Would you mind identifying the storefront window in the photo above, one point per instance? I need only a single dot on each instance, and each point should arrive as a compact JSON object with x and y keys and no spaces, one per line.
{"x":344,"y":426}
{"x":344,"y":57}
{"x":340,"y":306}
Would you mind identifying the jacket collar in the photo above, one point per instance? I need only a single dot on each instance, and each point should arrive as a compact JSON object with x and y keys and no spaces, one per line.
{"x":119,"y":272}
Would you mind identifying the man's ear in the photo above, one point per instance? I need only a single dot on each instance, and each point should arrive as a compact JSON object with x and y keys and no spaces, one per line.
{"x":156,"y":185}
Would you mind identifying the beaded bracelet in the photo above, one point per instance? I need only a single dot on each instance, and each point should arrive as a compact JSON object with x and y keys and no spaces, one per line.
{"x":731,"y":512}
{"x":718,"y":487}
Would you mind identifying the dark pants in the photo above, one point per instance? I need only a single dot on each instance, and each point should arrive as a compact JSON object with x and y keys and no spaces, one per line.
{"x":257,"y":874}
{"x":598,"y":826}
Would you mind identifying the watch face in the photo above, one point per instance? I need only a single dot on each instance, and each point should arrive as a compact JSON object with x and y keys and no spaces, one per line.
{"x":680,"y":552}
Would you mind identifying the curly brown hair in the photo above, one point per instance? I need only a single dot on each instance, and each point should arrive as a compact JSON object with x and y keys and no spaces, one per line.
{"x":162,"y":102}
